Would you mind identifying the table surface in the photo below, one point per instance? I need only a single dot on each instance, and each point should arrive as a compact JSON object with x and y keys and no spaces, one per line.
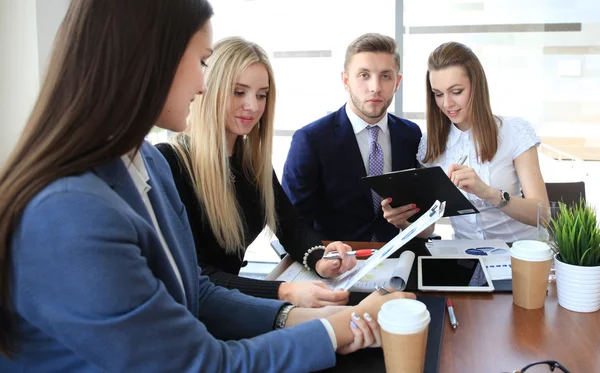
{"x":494,"y":335}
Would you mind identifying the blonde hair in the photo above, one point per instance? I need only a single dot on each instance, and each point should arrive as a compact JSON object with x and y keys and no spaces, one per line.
{"x":484,"y":123}
{"x":203,"y":147}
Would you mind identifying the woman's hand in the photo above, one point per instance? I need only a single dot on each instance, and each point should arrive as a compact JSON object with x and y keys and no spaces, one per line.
{"x":366,"y":334}
{"x":467,"y":179}
{"x":372,"y":304}
{"x":329,"y":268}
{"x":398,"y":216}
{"x":311,"y":294}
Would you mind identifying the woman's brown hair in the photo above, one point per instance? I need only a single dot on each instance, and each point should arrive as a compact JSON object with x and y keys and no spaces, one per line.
{"x":484,"y":123}
{"x":108,"y":78}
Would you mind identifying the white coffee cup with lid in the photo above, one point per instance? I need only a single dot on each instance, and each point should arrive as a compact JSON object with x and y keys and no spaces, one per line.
{"x":532,"y":251}
{"x":404,"y":326}
{"x":530,"y":261}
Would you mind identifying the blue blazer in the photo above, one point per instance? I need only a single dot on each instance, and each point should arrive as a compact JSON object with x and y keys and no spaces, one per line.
{"x":93,"y":290}
{"x":323,"y":171}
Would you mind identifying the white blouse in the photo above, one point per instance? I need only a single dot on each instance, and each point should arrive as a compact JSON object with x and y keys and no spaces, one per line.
{"x":516,"y":136}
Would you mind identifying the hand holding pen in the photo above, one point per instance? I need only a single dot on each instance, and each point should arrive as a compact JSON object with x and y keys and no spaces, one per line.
{"x":334,"y":268}
{"x":365,"y":253}
{"x":465,"y":178}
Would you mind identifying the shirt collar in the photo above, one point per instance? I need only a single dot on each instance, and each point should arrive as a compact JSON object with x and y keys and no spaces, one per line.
{"x":137,"y":170}
{"x":455,"y":135}
{"x":358,"y":124}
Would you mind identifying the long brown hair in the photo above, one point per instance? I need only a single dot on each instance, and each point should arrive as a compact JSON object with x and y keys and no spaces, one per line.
{"x":484,"y":123}
{"x":108,"y":78}
{"x":203,"y":147}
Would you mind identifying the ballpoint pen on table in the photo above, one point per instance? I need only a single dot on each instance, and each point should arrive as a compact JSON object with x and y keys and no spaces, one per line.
{"x":358,"y":253}
{"x":462,"y":160}
{"x":453,"y":320}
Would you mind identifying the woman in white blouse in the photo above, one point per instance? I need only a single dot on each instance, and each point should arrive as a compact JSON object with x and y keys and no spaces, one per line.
{"x":501,"y":175}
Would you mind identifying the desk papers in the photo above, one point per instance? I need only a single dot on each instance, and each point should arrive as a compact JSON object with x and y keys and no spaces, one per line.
{"x":390,"y":270}
{"x":376,"y":270}
{"x":495,"y":254}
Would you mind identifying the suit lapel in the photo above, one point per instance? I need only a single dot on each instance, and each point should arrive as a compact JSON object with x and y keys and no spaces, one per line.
{"x":115,"y":174}
{"x":165,"y":216}
{"x":350,"y":152}
{"x":396,"y":142}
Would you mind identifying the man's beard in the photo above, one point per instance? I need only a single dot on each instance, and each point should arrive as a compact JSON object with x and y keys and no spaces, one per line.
{"x":359,"y":106}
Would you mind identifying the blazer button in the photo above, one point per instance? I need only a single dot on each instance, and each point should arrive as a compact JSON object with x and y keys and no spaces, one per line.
{"x":244,"y":263}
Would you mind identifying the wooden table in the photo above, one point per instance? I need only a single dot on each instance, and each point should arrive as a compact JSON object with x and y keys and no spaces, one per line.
{"x":494,"y":335}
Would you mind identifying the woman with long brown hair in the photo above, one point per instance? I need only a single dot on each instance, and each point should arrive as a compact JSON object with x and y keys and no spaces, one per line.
{"x":97,"y":265}
{"x":501,"y":175}
{"x":224,"y":175}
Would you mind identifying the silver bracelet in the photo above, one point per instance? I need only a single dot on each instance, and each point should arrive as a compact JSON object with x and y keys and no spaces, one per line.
{"x":282,"y":316}
{"x":305,"y":259}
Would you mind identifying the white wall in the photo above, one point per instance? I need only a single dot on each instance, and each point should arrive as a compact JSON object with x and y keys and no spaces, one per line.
{"x":27,"y":31}
{"x":50,"y":14}
{"x":19,"y":69}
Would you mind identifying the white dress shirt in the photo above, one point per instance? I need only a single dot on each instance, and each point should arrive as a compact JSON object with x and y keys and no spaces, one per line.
{"x":362,"y":137}
{"x":516,"y":136}
{"x":139,"y":175}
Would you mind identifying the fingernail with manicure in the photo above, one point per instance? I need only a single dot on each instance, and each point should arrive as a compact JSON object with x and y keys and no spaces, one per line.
{"x":367,"y":317}
{"x":353,"y":325}
{"x":355,"y":316}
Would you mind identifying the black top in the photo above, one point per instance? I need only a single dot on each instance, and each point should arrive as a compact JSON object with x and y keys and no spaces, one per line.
{"x":222,"y":268}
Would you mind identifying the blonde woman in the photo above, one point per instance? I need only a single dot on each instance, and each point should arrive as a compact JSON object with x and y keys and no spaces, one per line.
{"x":224,"y":175}
{"x":502,"y":175}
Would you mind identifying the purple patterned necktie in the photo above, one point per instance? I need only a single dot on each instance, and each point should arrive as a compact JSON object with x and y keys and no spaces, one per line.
{"x":375,"y":162}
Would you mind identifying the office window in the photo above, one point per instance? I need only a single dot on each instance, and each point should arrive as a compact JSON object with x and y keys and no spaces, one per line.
{"x":306,"y":42}
{"x":542,"y":61}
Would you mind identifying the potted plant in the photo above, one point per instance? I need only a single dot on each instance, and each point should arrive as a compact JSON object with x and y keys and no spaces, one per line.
{"x":576,"y":243}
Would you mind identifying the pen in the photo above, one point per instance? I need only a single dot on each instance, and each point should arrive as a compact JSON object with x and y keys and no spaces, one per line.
{"x":453,"y":320}
{"x":358,"y":253}
{"x":462,"y":160}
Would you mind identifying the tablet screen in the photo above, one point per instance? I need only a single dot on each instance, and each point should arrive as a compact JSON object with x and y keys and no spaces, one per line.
{"x":445,"y":272}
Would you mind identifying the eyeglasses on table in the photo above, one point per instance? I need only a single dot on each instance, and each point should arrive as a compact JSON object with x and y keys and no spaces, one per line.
{"x":551,"y":365}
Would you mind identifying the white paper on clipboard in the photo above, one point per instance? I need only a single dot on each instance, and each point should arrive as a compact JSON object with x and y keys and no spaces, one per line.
{"x":434,"y":213}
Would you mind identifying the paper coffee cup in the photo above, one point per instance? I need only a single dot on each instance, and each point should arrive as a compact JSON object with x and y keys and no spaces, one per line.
{"x":531,"y":262}
{"x":404,"y":325}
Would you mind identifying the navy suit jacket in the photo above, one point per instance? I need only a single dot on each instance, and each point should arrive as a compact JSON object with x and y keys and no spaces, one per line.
{"x":323,"y":171}
{"x":93,"y":290}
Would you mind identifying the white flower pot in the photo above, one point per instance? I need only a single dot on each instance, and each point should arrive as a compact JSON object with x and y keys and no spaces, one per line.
{"x":578,"y":287}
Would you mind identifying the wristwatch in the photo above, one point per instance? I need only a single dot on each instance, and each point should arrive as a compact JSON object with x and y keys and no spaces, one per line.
{"x":282,"y":316}
{"x":504,"y":199}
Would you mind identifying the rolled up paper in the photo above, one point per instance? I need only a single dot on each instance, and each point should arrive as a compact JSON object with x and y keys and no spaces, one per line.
{"x":402,"y":271}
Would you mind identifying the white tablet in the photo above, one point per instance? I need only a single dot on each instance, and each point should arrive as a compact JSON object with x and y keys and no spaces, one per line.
{"x":453,"y":274}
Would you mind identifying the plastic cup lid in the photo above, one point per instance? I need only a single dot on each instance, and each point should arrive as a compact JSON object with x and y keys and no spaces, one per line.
{"x":403,"y":316}
{"x":531,"y":250}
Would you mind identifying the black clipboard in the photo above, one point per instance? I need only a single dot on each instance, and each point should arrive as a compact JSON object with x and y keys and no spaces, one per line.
{"x":421,"y":186}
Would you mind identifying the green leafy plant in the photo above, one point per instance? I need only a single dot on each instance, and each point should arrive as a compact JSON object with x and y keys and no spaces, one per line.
{"x":576,"y":235}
